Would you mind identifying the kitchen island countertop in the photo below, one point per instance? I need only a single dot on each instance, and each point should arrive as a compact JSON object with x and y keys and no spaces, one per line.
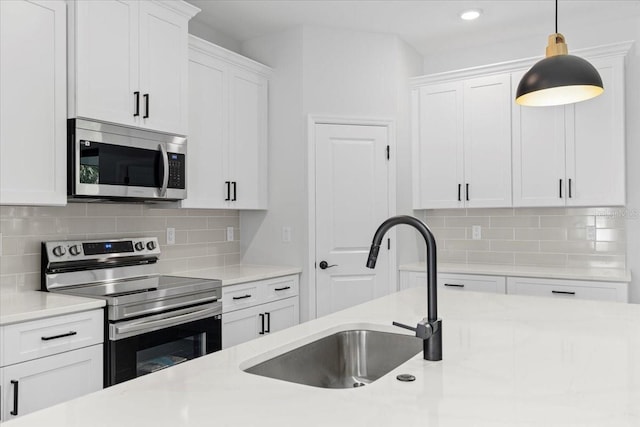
{"x":508,"y":360}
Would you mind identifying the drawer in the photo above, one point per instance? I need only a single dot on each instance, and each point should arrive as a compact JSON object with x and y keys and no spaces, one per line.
{"x":279,"y":288}
{"x":475,"y":283}
{"x":240,"y":296}
{"x":569,"y":289}
{"x":44,"y":337}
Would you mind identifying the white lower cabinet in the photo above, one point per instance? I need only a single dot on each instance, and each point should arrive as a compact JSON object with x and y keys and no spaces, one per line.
{"x":253,"y":309}
{"x":460,"y":282}
{"x":48,"y":361}
{"x":47,"y":381}
{"x":573,"y":289}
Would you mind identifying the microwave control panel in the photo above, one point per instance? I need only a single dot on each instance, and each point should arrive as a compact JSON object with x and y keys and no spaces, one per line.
{"x":176,"y":170}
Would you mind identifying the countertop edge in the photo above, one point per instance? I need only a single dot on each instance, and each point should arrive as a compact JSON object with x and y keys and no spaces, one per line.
{"x":36,"y":313}
{"x":595,"y":275}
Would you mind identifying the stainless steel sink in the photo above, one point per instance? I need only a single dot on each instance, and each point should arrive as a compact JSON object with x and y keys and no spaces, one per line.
{"x":344,"y":359}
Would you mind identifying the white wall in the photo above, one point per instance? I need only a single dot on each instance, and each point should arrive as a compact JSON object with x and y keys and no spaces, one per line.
{"x":578,"y":36}
{"x":324,"y":71}
{"x":206,"y":32}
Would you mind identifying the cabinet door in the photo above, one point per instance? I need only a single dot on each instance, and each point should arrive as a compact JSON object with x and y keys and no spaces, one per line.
{"x":50,"y":380}
{"x":106,"y":60}
{"x":281,"y":314}
{"x":595,"y":142}
{"x":248,"y":139}
{"x":163,"y":68}
{"x":240,"y":326}
{"x":487,"y":141}
{"x":208,"y":132}
{"x":538,"y":155}
{"x":474,"y":283}
{"x":33,"y":103}
{"x":437,"y":146}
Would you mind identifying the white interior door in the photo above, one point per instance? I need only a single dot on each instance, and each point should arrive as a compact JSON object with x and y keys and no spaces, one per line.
{"x":352,"y":200}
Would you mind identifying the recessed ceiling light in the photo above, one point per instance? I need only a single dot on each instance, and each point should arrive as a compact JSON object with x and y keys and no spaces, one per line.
{"x":471,"y":14}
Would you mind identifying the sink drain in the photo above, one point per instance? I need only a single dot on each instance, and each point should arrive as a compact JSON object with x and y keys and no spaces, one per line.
{"x":358,"y":384}
{"x":406,"y":377}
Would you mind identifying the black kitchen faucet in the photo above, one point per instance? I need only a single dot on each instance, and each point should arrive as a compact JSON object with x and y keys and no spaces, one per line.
{"x":428,"y":329}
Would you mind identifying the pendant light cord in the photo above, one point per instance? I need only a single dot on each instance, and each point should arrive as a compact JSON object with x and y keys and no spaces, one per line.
{"x":556,"y":16}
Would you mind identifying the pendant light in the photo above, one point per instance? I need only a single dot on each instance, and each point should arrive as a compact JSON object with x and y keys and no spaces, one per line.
{"x":559,"y":78}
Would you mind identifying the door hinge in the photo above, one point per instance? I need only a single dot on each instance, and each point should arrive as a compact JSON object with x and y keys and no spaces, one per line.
{"x":388,"y":152}
{"x":389,"y":244}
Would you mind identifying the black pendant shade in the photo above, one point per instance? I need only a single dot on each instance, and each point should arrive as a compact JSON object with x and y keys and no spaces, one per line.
{"x":558,"y":80}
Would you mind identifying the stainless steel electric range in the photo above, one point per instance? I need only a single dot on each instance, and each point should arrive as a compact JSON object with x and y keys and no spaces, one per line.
{"x":151,"y":321}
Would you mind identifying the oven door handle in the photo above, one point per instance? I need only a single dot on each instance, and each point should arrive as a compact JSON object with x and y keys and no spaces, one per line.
{"x":165,"y":170}
{"x":171,"y":319}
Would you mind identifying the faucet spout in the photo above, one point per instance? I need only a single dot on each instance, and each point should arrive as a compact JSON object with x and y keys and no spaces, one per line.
{"x":433,"y":339}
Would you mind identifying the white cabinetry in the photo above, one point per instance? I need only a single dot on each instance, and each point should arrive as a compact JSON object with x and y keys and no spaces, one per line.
{"x":460,"y":282}
{"x":48,"y":361}
{"x":252,"y":309}
{"x":462,"y":143}
{"x":574,"y":289}
{"x":33,"y":103}
{"x":128,"y":62}
{"x":227,"y":129}
{"x":572,"y":155}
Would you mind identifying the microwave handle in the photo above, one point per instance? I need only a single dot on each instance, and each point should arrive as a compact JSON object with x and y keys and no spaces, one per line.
{"x":165,"y":170}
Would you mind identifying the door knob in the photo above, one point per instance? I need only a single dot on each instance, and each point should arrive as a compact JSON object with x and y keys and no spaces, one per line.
{"x":324,"y":265}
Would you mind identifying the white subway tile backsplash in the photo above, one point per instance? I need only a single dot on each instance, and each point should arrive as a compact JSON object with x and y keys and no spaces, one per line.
{"x":200,"y":235}
{"x":531,"y":236}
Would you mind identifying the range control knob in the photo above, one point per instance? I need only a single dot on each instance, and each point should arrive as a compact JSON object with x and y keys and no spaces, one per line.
{"x":151,"y":245}
{"x":139,"y":246}
{"x":74,"y":250}
{"x":59,"y":251}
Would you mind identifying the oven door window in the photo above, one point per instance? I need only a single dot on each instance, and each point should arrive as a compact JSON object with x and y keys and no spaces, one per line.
{"x":111,"y":164}
{"x":152,"y":351}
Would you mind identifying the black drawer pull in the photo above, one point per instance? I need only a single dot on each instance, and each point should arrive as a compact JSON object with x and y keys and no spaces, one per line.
{"x":53,"y":337}
{"x":15,"y":398}
{"x":146,"y":105}
{"x":563,"y":292}
{"x":459,"y":189}
{"x":243,"y":297}
{"x":454,"y":285}
{"x":137,"y":96}
{"x":283,"y":288}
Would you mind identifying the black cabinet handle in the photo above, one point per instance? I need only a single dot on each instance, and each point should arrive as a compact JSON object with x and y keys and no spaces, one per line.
{"x":146,"y":106}
{"x":15,"y":398}
{"x":563,"y":292}
{"x":228,"y":184}
{"x":459,"y":190}
{"x":454,"y":285}
{"x":53,"y":337}
{"x":569,"y":187}
{"x":262,"y":324}
{"x":467,"y":192}
{"x":137,"y":112}
{"x":283,"y":288}
{"x":560,"y":188}
{"x":242,"y":297}
{"x":268,"y":316}
{"x":235,"y":191}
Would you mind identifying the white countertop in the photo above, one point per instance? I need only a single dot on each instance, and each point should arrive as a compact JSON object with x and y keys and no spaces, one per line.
{"x":600,"y":274}
{"x":508,"y":360}
{"x":31,"y":305}
{"x":235,"y":274}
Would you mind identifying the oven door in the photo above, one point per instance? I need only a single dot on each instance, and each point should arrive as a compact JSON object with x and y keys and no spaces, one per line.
{"x":141,"y":346}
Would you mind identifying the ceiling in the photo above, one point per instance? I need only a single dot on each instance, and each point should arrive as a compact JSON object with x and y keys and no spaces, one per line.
{"x":427,"y":25}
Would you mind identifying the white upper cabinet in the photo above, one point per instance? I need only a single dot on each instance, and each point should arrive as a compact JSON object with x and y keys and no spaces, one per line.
{"x":462,"y":143}
{"x":596,"y":142}
{"x":33,"y":103}
{"x":572,"y":155}
{"x":128,"y":62}
{"x":227,"y":129}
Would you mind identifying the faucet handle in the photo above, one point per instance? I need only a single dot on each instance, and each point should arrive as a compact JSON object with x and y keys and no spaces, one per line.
{"x":424,"y":329}
{"x":402,"y":325}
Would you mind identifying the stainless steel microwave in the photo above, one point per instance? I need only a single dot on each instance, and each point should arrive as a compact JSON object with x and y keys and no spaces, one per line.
{"x":109,"y":162}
